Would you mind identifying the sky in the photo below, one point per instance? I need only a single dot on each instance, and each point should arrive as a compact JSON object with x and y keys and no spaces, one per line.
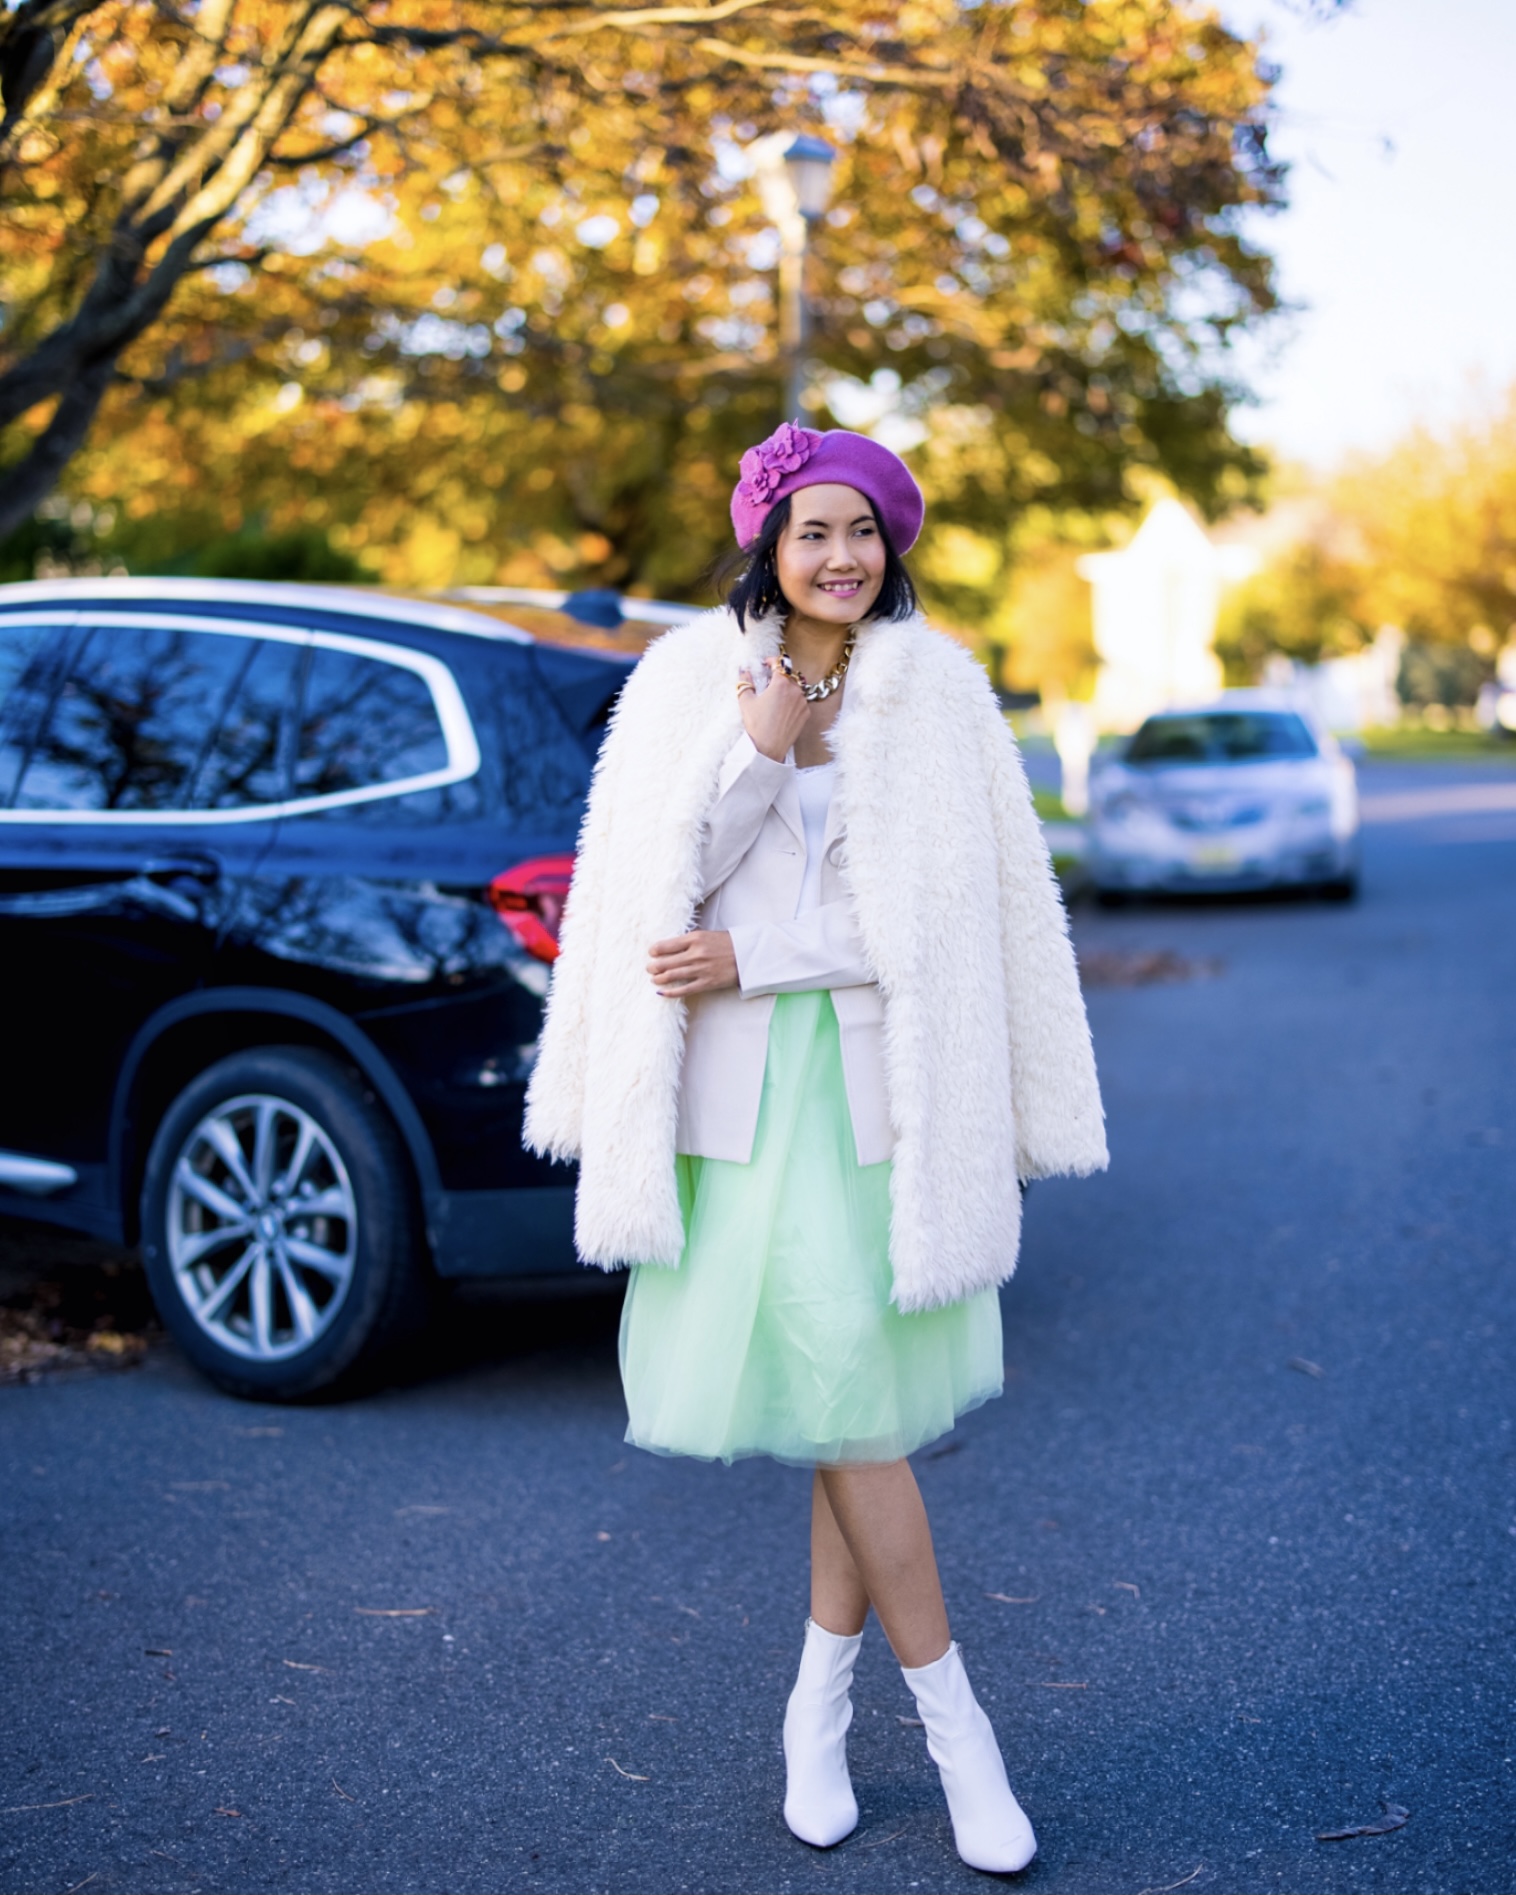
{"x":1400,"y":241}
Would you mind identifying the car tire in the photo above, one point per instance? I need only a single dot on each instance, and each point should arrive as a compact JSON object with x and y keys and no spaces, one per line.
{"x":1341,"y":888}
{"x":278,"y":1164}
{"x":1112,"y":897}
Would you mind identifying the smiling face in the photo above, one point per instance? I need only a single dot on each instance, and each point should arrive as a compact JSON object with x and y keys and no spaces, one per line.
{"x":831,"y":554}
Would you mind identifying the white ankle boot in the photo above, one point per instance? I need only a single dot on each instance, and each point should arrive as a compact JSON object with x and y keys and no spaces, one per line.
{"x":989,"y":1827}
{"x":819,"y":1804}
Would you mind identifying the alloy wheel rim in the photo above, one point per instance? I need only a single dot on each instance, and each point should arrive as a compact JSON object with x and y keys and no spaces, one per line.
{"x":262,"y":1227}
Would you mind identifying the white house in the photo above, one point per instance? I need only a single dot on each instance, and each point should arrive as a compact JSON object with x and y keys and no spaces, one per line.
{"x":1155,"y":605}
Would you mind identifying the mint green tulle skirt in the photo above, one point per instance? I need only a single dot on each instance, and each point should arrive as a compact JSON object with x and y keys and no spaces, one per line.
{"x":776,"y":1334}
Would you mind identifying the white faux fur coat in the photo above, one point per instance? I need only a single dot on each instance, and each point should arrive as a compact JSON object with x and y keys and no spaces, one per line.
{"x":990,"y":1070}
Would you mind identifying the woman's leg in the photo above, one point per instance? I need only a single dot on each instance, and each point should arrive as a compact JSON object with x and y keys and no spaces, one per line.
{"x":839,"y":1598}
{"x":877,"y":1512}
{"x":819,"y":1804}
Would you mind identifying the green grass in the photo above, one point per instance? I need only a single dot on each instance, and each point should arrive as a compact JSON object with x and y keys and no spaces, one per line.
{"x":1412,"y":742}
{"x":1049,"y":806}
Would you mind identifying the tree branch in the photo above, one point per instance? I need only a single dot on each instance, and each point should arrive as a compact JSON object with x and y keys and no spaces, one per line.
{"x":635,"y":19}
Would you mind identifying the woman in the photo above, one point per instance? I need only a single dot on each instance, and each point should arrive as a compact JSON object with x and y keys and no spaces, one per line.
{"x":815,"y":1015}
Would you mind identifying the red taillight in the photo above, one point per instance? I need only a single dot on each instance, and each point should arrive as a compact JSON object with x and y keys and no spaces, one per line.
{"x":529,"y":900}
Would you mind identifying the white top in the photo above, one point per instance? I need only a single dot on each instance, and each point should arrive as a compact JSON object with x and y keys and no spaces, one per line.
{"x":815,"y":786}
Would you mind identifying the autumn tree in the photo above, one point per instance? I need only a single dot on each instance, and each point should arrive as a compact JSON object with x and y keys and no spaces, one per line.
{"x":1435,"y":518}
{"x":491,"y":282}
{"x":1306,"y":603}
{"x":1420,"y":536}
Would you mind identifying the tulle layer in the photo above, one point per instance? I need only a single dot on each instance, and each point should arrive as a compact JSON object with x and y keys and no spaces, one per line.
{"x":776,"y":1334}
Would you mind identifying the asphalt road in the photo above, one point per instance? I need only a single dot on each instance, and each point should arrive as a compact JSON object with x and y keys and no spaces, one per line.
{"x":1233,"y":1559}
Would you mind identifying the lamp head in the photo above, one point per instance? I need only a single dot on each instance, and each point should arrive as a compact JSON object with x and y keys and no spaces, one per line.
{"x":808,"y":163}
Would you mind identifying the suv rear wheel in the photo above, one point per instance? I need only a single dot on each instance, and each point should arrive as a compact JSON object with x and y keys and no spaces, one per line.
{"x":279,"y":1227}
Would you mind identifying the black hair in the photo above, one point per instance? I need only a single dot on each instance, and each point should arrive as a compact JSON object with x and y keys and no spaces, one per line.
{"x":751,"y":574}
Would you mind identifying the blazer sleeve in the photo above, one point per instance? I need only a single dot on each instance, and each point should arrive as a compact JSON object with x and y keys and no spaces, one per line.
{"x":745,"y":793}
{"x":821,"y":948}
{"x":1060,"y":1123}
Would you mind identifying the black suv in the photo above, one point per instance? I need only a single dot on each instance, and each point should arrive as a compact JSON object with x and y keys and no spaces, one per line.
{"x":280,"y":876}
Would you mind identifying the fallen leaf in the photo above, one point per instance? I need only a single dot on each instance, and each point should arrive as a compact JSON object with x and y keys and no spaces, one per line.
{"x":1303,"y":1367}
{"x":1394,"y":1817}
{"x":156,"y":1756}
{"x":880,"y":1841}
{"x":626,"y":1773}
{"x":295,"y":1665}
{"x":17,"y":1808}
{"x":1005,"y":1598}
{"x":70,"y":1890}
{"x":228,"y":1812}
{"x":156,"y":1651}
{"x":911,"y":1723}
{"x":276,"y":1699}
{"x":395,"y":1611}
{"x":341,"y":1792}
{"x":1125,"y":1585}
{"x":661,"y":1717}
{"x":602,"y":1537}
{"x":1114,"y":967}
{"x":1168,"y":1887}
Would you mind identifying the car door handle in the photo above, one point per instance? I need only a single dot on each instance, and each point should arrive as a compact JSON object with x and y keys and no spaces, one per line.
{"x":181,"y":868}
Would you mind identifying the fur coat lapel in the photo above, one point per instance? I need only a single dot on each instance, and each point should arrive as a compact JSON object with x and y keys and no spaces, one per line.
{"x":988,"y":1061}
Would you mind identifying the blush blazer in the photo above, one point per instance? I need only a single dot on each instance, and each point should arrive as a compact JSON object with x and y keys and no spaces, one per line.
{"x":753,"y":860}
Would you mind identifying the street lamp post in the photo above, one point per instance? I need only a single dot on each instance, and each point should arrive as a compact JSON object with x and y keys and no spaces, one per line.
{"x":794,"y":174}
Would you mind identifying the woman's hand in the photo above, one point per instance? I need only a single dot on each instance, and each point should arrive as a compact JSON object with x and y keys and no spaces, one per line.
{"x":775,"y":717}
{"x":695,"y":963}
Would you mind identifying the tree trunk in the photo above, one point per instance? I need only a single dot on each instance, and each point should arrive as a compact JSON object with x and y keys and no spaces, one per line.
{"x":28,"y":482}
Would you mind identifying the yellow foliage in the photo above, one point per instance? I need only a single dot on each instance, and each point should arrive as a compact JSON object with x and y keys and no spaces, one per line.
{"x":1421,"y":537}
{"x":504,"y":307}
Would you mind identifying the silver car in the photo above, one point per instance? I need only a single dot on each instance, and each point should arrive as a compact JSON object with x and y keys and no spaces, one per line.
{"x":1243,"y":793}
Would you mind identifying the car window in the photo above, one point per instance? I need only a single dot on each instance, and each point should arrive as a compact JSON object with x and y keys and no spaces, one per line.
{"x":132,"y":718}
{"x":29,"y":656}
{"x":1222,"y":737}
{"x":364,"y":722}
{"x":242,"y":763}
{"x":545,"y":760}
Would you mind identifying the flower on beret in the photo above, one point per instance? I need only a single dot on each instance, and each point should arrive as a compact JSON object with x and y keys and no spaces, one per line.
{"x":762,"y":468}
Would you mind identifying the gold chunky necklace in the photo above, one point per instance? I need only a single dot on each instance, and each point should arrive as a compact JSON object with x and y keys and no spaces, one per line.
{"x":824,"y":687}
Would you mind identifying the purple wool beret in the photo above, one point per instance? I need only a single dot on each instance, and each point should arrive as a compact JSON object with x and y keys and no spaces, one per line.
{"x":794,"y":457}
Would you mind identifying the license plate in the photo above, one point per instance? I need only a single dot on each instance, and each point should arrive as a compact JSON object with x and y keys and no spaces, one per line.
{"x":1213,"y":858}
